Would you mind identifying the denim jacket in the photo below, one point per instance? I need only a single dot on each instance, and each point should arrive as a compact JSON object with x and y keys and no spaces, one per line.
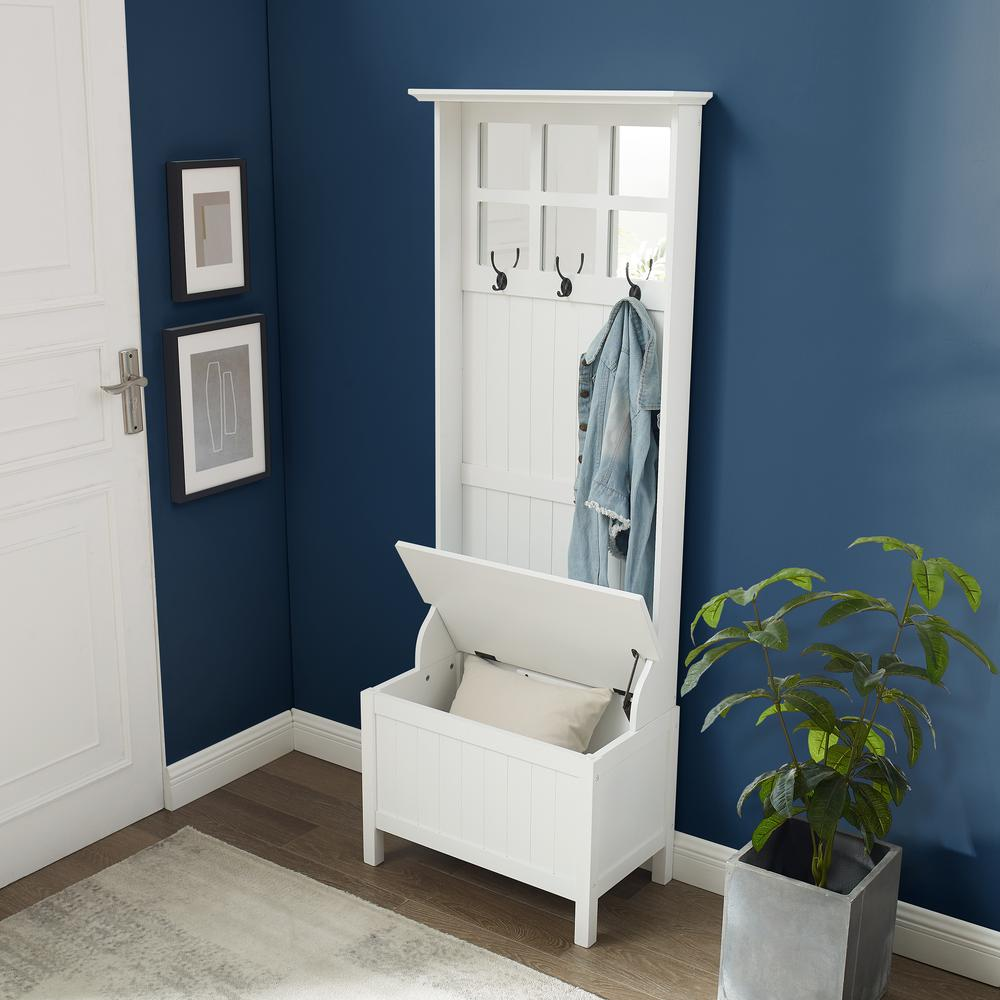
{"x":619,"y":445}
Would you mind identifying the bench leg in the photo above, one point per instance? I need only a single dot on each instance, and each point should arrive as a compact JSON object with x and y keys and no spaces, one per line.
{"x":374,"y":843}
{"x":585,"y":929}
{"x":660,"y":865}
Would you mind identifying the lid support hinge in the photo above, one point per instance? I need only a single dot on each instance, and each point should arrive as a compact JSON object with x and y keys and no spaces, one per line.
{"x":627,"y":693}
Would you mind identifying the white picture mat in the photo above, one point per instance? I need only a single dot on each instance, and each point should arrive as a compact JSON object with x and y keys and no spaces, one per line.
{"x":234,"y":336}
{"x":215,"y":276}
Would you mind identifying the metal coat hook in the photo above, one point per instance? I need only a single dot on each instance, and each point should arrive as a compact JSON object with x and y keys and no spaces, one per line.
{"x":634,"y":291}
{"x":501,"y":282}
{"x":566,"y":286}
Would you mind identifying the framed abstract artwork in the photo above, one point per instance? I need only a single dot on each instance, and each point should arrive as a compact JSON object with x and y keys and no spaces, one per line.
{"x":209,"y":228}
{"x":216,"y":392}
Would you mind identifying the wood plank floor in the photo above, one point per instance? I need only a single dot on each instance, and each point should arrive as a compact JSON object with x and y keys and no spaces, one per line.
{"x":305,"y":814}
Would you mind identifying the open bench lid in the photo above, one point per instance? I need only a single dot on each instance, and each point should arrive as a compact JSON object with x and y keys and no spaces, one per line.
{"x":577,"y":631}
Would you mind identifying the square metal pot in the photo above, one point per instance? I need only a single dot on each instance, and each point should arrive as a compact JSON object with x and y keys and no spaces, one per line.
{"x":783,"y":938}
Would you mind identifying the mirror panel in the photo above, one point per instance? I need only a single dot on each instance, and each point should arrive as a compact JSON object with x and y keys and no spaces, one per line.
{"x":505,"y":156}
{"x":571,"y":153}
{"x":637,"y":237}
{"x":641,"y":161}
{"x":503,"y":228}
{"x":566,"y":233}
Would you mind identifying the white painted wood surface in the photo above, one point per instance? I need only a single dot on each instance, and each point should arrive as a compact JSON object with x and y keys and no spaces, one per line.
{"x":576,"y":631}
{"x":507,"y":367}
{"x":80,"y":733}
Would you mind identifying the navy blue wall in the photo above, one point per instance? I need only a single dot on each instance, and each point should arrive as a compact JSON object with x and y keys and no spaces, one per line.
{"x":846,"y":361}
{"x":198,"y":75}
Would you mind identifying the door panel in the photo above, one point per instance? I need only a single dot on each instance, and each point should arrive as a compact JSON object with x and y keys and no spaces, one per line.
{"x":80,"y":731}
{"x":47,"y":239}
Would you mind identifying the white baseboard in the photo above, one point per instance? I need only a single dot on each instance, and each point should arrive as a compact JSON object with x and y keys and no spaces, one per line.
{"x":923,"y":935}
{"x":217,"y":765}
{"x":326,"y":739}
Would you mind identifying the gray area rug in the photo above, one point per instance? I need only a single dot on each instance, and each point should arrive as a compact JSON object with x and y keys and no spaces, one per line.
{"x":193,"y":917}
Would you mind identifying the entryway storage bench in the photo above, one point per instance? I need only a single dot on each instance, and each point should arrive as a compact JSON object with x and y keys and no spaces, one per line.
{"x":550,"y":206}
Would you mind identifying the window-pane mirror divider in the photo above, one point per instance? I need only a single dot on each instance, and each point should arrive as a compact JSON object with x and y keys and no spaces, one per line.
{"x":534,"y":210}
{"x":602,"y":262}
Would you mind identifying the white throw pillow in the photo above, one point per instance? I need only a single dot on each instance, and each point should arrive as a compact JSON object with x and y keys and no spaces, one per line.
{"x":555,"y":713}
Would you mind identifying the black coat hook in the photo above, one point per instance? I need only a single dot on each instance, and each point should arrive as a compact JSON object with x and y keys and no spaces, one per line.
{"x":566,"y":286}
{"x":634,"y":291}
{"x":501,"y":282}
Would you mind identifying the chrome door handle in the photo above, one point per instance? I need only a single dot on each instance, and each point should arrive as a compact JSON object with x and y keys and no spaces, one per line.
{"x":138,"y":381}
{"x":128,"y":388}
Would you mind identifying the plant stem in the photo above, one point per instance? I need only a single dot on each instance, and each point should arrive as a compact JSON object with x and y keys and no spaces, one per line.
{"x":777,"y":699}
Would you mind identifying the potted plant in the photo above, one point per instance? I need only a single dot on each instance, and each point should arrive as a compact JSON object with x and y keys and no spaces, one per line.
{"x":809,"y":907}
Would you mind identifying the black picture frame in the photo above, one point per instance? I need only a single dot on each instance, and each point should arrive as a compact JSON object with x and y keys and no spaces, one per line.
{"x":175,"y":419}
{"x":175,"y":222}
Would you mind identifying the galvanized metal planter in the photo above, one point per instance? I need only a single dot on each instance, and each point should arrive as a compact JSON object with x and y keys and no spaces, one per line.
{"x":785,"y":939}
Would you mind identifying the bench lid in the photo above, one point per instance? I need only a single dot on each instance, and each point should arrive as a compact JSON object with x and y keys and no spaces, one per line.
{"x":577,"y":631}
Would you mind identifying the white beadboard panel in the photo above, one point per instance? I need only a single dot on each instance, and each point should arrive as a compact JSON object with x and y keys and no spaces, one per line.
{"x":519,"y":386}
{"x":497,"y":382}
{"x":562,"y":526}
{"x":474,"y":521}
{"x":385,"y":743}
{"x":521,"y":421}
{"x":540,"y":536}
{"x":543,"y":817}
{"x":569,"y":822}
{"x":474,"y":379}
{"x":519,"y":531}
{"x":565,"y":393}
{"x":450,"y":783}
{"x":519,"y":810}
{"x":407,"y":803}
{"x":495,"y":802}
{"x":472,"y":794}
{"x":496,"y":526}
{"x":540,"y":403}
{"x":428,"y":789}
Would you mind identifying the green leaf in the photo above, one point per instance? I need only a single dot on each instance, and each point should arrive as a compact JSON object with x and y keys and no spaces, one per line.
{"x":890,"y":544}
{"x":969,"y":584}
{"x":774,"y":635}
{"x":800,"y":600}
{"x":799,"y":577}
{"x":767,"y":826}
{"x":935,"y":651}
{"x":913,"y":611}
{"x":735,"y":632}
{"x":943,"y":625}
{"x":819,"y":742}
{"x":853,"y":606}
{"x":864,"y":680}
{"x":816,"y":707}
{"x":914,"y":734}
{"x":877,"y":727}
{"x":854,"y":729}
{"x":822,"y":681}
{"x":771,"y":710}
{"x":826,"y":806}
{"x":711,"y":610}
{"x":928,"y":578}
{"x":873,"y":810}
{"x":895,"y":695}
{"x":751,"y":788}
{"x":883,"y":769}
{"x":722,"y":709}
{"x":908,"y":670}
{"x":830,"y":650}
{"x":812,"y":774}
{"x":839,"y":758}
{"x":697,"y":669}
{"x":783,"y":793}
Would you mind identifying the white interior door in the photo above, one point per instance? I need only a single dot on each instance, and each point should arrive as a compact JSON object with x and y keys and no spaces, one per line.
{"x":80,"y":743}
